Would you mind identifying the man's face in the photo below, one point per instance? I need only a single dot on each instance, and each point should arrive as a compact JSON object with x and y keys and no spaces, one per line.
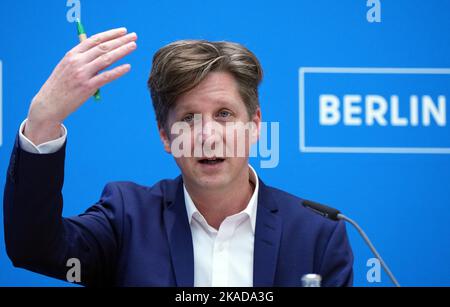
{"x":217,"y":133}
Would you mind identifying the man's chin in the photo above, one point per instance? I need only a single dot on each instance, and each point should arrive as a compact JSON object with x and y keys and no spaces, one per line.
{"x":210,"y":183}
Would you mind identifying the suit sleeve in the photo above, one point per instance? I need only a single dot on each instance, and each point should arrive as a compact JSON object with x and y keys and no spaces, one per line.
{"x":337,"y":261}
{"x":39,"y":239}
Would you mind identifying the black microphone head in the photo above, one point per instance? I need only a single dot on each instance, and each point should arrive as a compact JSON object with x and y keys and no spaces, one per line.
{"x":323,"y":210}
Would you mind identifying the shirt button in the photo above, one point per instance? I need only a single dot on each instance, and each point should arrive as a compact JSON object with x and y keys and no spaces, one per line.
{"x":221,"y":247}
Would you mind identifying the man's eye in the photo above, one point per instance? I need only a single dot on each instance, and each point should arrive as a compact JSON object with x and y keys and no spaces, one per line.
{"x":224,"y":114}
{"x":188,"y":118}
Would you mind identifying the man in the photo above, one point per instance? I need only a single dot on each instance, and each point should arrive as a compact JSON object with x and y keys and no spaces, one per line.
{"x":217,"y":224}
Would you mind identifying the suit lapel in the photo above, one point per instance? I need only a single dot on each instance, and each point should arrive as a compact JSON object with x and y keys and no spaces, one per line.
{"x":267,"y":239}
{"x":179,"y":235}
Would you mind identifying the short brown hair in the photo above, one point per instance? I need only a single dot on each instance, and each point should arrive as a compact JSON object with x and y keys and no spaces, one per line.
{"x":182,"y":65}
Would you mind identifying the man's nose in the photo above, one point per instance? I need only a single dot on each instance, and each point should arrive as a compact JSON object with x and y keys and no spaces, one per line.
{"x":210,"y":130}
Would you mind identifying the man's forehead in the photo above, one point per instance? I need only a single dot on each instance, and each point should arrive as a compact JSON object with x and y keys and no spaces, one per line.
{"x":207,"y":102}
{"x":217,"y":90}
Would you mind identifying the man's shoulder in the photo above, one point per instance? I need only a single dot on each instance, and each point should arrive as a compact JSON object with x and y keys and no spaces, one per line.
{"x":292,"y":210}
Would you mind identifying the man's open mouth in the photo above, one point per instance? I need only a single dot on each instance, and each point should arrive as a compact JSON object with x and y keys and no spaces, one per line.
{"x":211,"y":161}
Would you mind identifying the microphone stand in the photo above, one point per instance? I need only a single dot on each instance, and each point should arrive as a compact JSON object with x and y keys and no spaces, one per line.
{"x":372,"y":248}
{"x":335,"y":215}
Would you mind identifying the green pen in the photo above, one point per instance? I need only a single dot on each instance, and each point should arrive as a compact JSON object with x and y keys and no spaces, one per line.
{"x":82,"y":36}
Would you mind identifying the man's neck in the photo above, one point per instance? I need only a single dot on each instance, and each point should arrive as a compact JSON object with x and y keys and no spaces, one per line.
{"x":216,"y":205}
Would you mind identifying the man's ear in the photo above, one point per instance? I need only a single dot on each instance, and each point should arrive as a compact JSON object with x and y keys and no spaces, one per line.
{"x":164,"y":138}
{"x":256,"y":119}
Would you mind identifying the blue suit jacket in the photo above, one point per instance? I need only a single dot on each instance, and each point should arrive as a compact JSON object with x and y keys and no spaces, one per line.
{"x":140,"y":236}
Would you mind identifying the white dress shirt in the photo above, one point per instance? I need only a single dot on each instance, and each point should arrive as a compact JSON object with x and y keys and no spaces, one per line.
{"x":223,"y":257}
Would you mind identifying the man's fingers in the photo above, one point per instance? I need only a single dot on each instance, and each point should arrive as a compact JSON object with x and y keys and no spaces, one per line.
{"x":106,"y":47}
{"x":98,"y":39}
{"x":109,"y":58}
{"x":108,"y":76}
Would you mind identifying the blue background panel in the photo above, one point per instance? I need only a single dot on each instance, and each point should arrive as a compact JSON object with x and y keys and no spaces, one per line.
{"x":399,"y":199}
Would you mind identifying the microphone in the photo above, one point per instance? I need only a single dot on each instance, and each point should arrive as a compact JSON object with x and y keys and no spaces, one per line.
{"x":336,"y":215}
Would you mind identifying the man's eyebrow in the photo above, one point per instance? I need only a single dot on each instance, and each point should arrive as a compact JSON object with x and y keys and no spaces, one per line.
{"x":178,"y":111}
